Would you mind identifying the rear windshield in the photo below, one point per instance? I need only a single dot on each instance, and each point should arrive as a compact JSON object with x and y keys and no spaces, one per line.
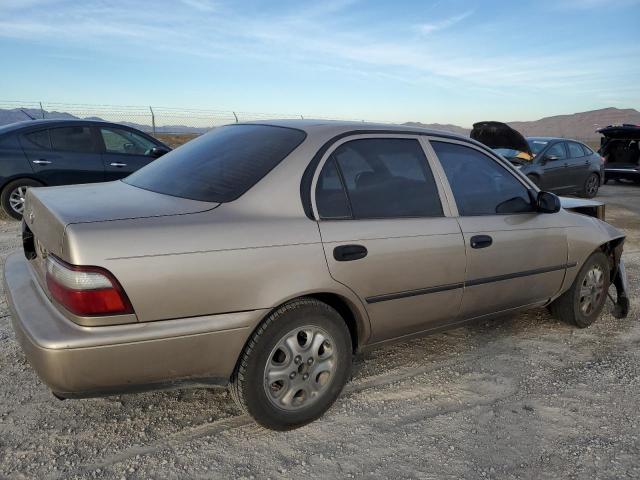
{"x":221,"y":165}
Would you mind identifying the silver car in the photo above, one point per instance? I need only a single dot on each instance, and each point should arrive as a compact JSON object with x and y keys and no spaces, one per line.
{"x":262,"y":256}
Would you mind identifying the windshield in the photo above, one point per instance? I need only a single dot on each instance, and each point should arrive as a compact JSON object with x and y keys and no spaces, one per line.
{"x":537,"y":146}
{"x":221,"y":165}
{"x":507,"y":152}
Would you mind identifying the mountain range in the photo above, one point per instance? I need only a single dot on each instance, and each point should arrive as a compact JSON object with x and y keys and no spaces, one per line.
{"x":581,"y":125}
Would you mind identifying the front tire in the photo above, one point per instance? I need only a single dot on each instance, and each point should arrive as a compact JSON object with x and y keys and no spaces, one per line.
{"x":13,"y":194}
{"x":584,"y":301}
{"x":294,"y":366}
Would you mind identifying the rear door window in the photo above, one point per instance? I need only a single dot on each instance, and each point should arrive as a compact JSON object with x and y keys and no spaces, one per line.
{"x":117,"y":140}
{"x":331,"y":197}
{"x":575,"y":150}
{"x":72,"y":139}
{"x":384,"y":178}
{"x":587,"y":150}
{"x":221,"y":165}
{"x":38,"y":140}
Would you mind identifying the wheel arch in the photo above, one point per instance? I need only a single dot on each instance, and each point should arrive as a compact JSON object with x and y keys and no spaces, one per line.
{"x":355,"y":318}
{"x":7,"y":180}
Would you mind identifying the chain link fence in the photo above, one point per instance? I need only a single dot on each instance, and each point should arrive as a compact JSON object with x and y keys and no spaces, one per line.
{"x":146,"y":118}
{"x":172,"y":125}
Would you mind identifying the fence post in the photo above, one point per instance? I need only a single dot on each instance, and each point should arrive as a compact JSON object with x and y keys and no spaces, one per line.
{"x":236,"y":116}
{"x":41,"y":110}
{"x":153,"y":120}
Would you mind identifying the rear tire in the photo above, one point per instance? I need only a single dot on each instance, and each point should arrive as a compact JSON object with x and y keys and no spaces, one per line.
{"x":591,"y":186}
{"x":294,"y":366}
{"x":12,"y":196}
{"x":584,"y":301}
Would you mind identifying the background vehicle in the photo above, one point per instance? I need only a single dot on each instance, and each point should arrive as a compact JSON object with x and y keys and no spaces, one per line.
{"x":620,"y":146}
{"x":263,"y":255}
{"x":60,"y":152}
{"x":554,"y":164}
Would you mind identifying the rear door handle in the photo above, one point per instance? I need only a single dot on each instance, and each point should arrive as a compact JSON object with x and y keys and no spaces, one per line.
{"x":481,"y":241}
{"x":42,"y":162}
{"x":117,"y":164}
{"x":346,"y":253}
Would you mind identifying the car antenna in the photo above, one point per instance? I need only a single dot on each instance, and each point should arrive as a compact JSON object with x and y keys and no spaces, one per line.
{"x":32,"y":118}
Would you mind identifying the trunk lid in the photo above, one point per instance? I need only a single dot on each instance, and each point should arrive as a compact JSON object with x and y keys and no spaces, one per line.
{"x":49,"y":210}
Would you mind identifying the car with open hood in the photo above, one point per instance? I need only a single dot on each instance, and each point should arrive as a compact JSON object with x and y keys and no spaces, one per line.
{"x":557,"y":165}
{"x":263,"y":256}
{"x":620,"y":147}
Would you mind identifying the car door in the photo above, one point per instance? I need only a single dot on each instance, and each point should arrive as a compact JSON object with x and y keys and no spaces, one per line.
{"x":515,"y":255}
{"x":579,"y":168}
{"x":554,"y":163}
{"x":63,"y":155}
{"x":387,"y":234}
{"x":124,"y":151}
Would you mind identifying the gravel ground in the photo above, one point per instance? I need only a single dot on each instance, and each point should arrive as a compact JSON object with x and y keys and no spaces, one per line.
{"x":519,"y":397}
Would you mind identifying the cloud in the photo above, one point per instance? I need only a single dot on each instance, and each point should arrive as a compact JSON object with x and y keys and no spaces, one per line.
{"x":427,"y":28}
{"x":327,"y":33}
{"x":591,"y":4}
{"x":201,"y":5}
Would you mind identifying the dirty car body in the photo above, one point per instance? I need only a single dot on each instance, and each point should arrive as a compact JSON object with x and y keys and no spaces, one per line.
{"x":266,"y":254}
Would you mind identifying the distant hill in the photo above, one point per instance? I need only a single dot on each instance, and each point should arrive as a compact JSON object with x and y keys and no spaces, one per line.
{"x":581,"y":125}
{"x":577,"y":125}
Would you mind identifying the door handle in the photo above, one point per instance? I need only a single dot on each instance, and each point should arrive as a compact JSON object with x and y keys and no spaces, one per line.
{"x":481,"y":241}
{"x":346,"y":253}
{"x":116,"y":164}
{"x":42,"y":162}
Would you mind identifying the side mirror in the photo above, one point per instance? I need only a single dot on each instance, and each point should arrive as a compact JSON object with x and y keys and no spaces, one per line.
{"x":550,"y":158}
{"x":547,"y":202}
{"x":156,"y":152}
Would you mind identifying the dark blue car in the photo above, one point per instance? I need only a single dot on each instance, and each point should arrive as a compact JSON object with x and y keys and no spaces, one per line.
{"x":61,"y":152}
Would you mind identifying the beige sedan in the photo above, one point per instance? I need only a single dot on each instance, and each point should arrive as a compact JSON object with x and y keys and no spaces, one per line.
{"x":262,"y":256}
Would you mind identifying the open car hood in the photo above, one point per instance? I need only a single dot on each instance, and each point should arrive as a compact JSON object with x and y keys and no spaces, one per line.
{"x":499,"y":135}
{"x":624,"y":131}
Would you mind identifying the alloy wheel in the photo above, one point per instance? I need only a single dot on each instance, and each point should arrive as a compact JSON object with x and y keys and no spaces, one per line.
{"x":592,"y":185}
{"x":16,"y":198}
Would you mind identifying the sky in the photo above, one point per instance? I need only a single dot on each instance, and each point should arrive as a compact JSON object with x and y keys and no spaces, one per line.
{"x":438,"y":61}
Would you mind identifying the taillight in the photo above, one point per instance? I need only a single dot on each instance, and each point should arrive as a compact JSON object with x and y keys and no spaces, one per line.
{"x":85,"y":291}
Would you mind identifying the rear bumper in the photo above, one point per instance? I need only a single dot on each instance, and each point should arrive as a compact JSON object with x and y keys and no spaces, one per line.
{"x":622,"y":173}
{"x":77,"y":361}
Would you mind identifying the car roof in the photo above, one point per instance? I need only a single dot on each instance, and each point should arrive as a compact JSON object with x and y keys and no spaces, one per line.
{"x":337,"y":127}
{"x":50,"y":122}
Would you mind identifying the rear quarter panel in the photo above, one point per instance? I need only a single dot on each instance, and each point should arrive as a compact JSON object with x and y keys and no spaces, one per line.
{"x":220,"y":261}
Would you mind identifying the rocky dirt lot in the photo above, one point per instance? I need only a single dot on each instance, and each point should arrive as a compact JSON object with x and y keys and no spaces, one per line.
{"x":520,"y":397}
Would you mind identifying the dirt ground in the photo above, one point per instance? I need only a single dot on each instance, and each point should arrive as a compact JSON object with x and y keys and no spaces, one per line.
{"x":520,"y":397}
